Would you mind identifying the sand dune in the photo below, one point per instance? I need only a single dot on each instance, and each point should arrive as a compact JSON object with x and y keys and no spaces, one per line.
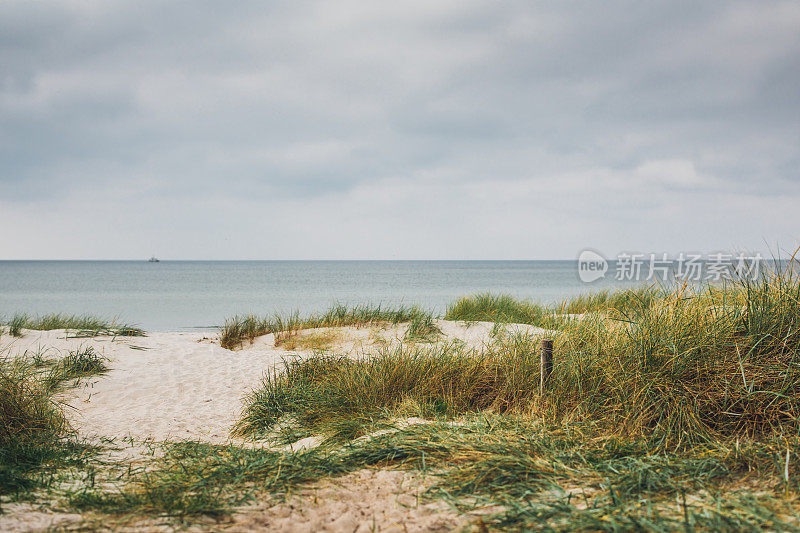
{"x":180,"y":385}
{"x":183,"y":385}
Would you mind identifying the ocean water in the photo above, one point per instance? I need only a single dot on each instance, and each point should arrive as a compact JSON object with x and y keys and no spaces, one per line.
{"x":174,"y":295}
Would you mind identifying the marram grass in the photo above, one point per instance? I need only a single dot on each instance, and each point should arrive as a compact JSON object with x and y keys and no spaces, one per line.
{"x":341,"y":397}
{"x":499,"y":308}
{"x":684,"y":367}
{"x":489,"y":307}
{"x":34,"y":435}
{"x":31,"y":426}
{"x":246,"y":328}
{"x":27,"y":414}
{"x":81,"y":325}
{"x":423,"y":328}
{"x":77,"y":364}
{"x":521,"y":476}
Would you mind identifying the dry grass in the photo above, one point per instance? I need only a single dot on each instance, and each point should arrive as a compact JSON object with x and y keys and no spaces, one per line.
{"x":343,"y":397}
{"x":315,"y":341}
{"x":683,"y":368}
{"x":246,"y":328}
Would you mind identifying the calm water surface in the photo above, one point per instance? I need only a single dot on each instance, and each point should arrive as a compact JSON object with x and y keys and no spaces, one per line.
{"x":187,"y":294}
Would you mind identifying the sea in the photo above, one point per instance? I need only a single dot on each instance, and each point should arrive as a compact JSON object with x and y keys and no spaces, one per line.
{"x":185,"y":295}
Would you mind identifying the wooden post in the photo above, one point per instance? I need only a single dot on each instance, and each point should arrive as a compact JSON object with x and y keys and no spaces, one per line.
{"x":546,"y":364}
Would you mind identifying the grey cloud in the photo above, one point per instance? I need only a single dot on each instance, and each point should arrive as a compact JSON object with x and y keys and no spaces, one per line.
{"x":318,"y":102}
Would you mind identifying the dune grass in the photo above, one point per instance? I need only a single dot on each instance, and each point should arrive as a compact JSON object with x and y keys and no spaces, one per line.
{"x":562,"y":479}
{"x":605,"y":300}
{"x":246,"y":328}
{"x":342,"y":397}
{"x":685,"y":367}
{"x":27,"y":412}
{"x":533,"y":476}
{"x":422,"y":328}
{"x":669,"y":411}
{"x":77,"y":364}
{"x":497,"y":308}
{"x":504,"y":308}
{"x":16,"y":324}
{"x":31,"y":425}
{"x":35,"y":439}
{"x":690,"y":366}
{"x":82,"y":325}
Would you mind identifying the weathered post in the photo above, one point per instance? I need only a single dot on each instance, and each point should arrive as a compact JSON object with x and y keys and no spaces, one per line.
{"x":546,"y":363}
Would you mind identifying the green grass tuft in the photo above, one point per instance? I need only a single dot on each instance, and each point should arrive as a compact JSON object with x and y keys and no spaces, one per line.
{"x":622,"y":300}
{"x":504,"y":308}
{"x":16,"y":324}
{"x":497,"y":308}
{"x":342,"y":397}
{"x":83,"y":326}
{"x":687,"y":367}
{"x":35,"y":439}
{"x":422,"y":328}
{"x":77,"y":364}
{"x":246,"y":328}
{"x":31,"y":425}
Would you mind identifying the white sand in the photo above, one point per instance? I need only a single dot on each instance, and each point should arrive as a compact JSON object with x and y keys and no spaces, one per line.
{"x":178,"y":387}
{"x":362,"y":502}
{"x":168,"y":386}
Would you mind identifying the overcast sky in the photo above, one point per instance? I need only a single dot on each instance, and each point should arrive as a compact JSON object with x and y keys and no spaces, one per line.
{"x":397,"y":130}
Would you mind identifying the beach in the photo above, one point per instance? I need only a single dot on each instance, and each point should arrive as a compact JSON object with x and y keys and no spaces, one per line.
{"x":499,"y":414}
{"x":174,"y":386}
{"x":362,"y":267}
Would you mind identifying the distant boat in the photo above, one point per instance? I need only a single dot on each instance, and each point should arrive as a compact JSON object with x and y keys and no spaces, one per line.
{"x":153,"y":259}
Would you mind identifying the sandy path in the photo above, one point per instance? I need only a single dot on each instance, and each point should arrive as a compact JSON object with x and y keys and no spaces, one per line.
{"x":361,"y":502}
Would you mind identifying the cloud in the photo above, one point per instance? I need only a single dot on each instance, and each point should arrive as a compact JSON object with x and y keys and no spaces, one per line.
{"x":680,"y":173}
{"x":454,"y":129}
